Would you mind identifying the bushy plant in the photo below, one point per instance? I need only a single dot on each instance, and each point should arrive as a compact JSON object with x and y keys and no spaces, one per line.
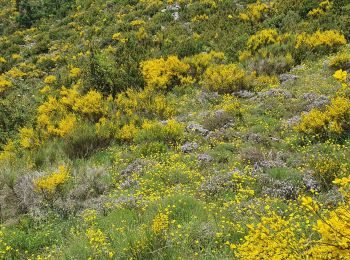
{"x":225,"y":78}
{"x":171,"y":132}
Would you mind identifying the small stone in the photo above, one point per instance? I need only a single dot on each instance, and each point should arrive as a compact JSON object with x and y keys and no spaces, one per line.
{"x":275,"y":92}
{"x":193,"y":127}
{"x":287,"y":78}
{"x":244,"y":94}
{"x":189,"y":147}
{"x":204,"y":157}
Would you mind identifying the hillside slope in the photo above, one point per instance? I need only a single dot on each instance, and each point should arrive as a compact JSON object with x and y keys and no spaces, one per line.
{"x":149,"y":129}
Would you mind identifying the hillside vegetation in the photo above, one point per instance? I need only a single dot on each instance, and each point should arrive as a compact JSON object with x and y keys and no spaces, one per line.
{"x":189,"y":129}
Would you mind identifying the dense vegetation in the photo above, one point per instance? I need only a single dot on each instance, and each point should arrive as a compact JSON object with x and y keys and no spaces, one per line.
{"x":190,"y":129}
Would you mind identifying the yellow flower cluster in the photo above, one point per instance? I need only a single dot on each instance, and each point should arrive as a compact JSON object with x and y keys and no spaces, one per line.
{"x":160,"y":223}
{"x":201,"y":61}
{"x":8,"y":152}
{"x":334,"y":229}
{"x":224,"y":78}
{"x":135,"y":103}
{"x":273,"y":236}
{"x":50,"y":183}
{"x":55,"y":116}
{"x":200,"y":18}
{"x":171,"y":132}
{"x":127,"y":132}
{"x":254,"y":12}
{"x":119,"y":37}
{"x":309,"y":204}
{"x":335,"y":236}
{"x":322,"y":8}
{"x":28,"y":138}
{"x":330,"y":38}
{"x":263,"y":38}
{"x":90,"y":103}
{"x":50,"y":79}
{"x":4,"y":83}
{"x":74,"y":72}
{"x":340,"y":75}
{"x":160,"y":73}
{"x":340,"y":61}
{"x":96,"y":238}
{"x":333,"y":120}
{"x":16,"y":73}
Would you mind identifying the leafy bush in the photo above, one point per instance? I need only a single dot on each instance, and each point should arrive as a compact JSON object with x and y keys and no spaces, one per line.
{"x":83,"y":141}
{"x":171,"y":132}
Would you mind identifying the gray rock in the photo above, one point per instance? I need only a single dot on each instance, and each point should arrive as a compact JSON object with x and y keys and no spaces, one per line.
{"x":281,"y":189}
{"x":253,"y":137}
{"x":197,"y":128}
{"x":310,"y":182}
{"x":310,"y":96}
{"x":204,"y":157}
{"x":293,"y":121}
{"x":128,"y":183}
{"x":208,"y":96}
{"x":189,"y":147}
{"x":275,"y":92}
{"x":134,"y":167}
{"x":284,"y":78}
{"x":244,"y":94}
{"x":319,"y":102}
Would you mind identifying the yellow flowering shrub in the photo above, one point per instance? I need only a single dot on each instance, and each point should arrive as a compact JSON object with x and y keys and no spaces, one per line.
{"x":335,"y":236}
{"x":50,"y":183}
{"x":224,"y":78}
{"x":340,"y":61}
{"x":255,"y":12}
{"x":340,"y":75}
{"x":162,"y":73}
{"x":74,"y":72}
{"x":58,"y":116}
{"x":127,"y":132}
{"x":334,"y":228}
{"x":28,"y":138}
{"x":322,"y":8}
{"x":4,"y":84}
{"x":119,"y":37}
{"x":330,"y":39}
{"x":8,"y":152}
{"x":50,"y":79}
{"x":263,"y":38}
{"x":273,"y":238}
{"x":201,"y":61}
{"x":65,"y":126}
{"x":92,"y":102}
{"x":16,"y":73}
{"x":52,"y":118}
{"x":335,"y":119}
{"x":161,"y":223}
{"x":133,"y":102}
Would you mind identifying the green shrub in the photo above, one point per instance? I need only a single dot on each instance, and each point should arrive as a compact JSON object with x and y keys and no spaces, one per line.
{"x":171,"y":132}
{"x":83,"y":141}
